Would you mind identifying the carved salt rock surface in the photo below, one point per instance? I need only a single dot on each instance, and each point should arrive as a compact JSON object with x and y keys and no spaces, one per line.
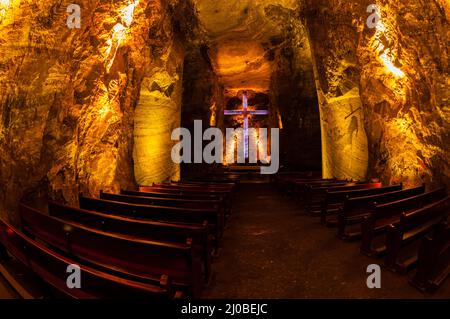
{"x":68,"y":97}
{"x":409,"y":106}
{"x":34,"y":74}
{"x":404,"y":106}
{"x":242,"y":65}
{"x":333,"y":45}
{"x":242,"y":18}
{"x":157,"y":114}
{"x":241,"y":34}
{"x":344,"y":137}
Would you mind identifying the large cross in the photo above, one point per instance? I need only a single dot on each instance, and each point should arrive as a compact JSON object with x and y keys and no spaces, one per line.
{"x":245,"y":113}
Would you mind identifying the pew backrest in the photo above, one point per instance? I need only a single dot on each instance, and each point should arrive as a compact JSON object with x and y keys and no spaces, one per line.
{"x":159,"y":201}
{"x":156,"y":213}
{"x":119,"y":254}
{"x":52,"y":267}
{"x":366,"y":203}
{"x":407,"y":204}
{"x":151,"y":230}
{"x":199,"y":235}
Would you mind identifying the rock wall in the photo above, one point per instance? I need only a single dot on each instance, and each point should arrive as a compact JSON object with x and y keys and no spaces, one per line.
{"x":383,"y":91}
{"x":158,"y":111}
{"x":68,"y":96}
{"x":333,"y":45}
{"x":293,"y":95}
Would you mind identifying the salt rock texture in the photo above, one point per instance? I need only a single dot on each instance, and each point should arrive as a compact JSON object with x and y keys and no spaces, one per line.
{"x":158,"y":110}
{"x":400,"y":72}
{"x":68,"y":95}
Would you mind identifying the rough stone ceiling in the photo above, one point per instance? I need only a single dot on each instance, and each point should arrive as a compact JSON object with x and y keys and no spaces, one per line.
{"x":241,"y":65}
{"x":237,"y":30}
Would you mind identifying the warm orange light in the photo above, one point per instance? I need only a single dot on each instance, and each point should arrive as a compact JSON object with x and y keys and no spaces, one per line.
{"x":386,"y":53}
{"x":280,"y":121}
{"x":212,"y":119}
{"x":390,"y":66}
{"x":128,"y":13}
{"x":119,"y":33}
{"x":114,"y":44}
{"x":6,"y":5}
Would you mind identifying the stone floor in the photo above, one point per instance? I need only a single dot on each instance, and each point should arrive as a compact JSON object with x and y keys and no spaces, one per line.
{"x":272,"y":250}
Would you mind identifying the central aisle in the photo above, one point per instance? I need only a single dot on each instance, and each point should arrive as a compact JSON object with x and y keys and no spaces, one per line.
{"x":272,"y":250}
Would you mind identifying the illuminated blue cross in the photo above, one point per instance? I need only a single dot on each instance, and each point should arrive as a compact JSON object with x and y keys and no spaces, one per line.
{"x":245,"y":113}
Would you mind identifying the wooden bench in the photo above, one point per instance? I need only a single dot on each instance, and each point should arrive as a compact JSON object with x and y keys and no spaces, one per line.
{"x":184,"y":189}
{"x":186,"y":193}
{"x":214,"y":178}
{"x":210,"y":186}
{"x":187,"y":189}
{"x":296,"y":188}
{"x":232,"y":185}
{"x":121,"y":255}
{"x":293,"y":185}
{"x":385,"y":214}
{"x":214,"y":204}
{"x":199,"y":235}
{"x":433,"y":265}
{"x":157,"y":213}
{"x":411,"y":227}
{"x":300,"y":189}
{"x":52,"y":267}
{"x":355,"y":209}
{"x":315,"y":195}
{"x":334,"y":200}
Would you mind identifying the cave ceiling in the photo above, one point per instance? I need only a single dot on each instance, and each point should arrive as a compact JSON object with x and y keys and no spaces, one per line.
{"x":242,"y":35}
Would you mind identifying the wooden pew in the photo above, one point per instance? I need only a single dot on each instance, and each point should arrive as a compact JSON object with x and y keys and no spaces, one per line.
{"x":186,"y":193}
{"x":433,"y":260}
{"x":199,"y":235}
{"x":304,"y":190}
{"x":137,"y":259}
{"x":334,"y":200}
{"x":292,"y":184}
{"x":352,"y":213}
{"x":411,"y":227}
{"x":175,"y":195}
{"x":51,"y":267}
{"x":296,"y":188}
{"x":186,"y":189}
{"x":219,"y":187}
{"x":215,"y":178}
{"x":161,"y":201}
{"x":205,"y":183}
{"x":157,"y":213}
{"x":315,"y":195}
{"x":385,"y":214}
